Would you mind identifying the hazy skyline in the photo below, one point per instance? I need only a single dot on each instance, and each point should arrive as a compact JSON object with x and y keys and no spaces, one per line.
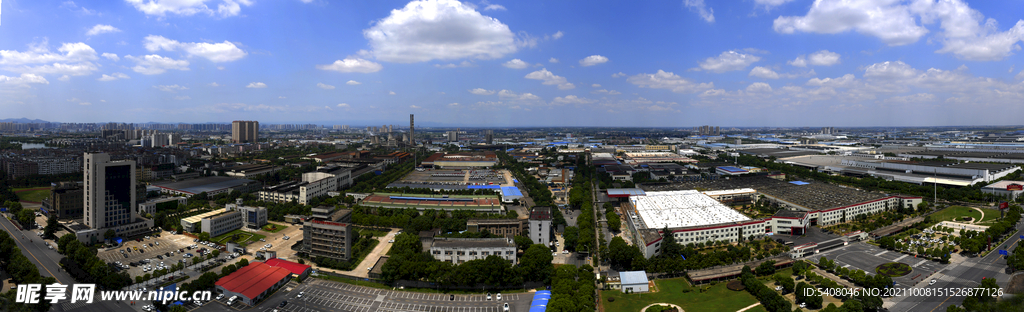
{"x":516,"y":63}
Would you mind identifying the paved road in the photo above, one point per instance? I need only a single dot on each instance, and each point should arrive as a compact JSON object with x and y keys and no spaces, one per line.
{"x":34,"y":247}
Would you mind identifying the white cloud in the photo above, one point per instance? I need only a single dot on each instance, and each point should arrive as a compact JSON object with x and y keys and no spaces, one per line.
{"x":516,"y":64}
{"x":64,"y":78}
{"x":114,"y":76}
{"x":913,"y":98}
{"x":608,"y":92}
{"x":706,"y":13}
{"x":324,"y":86}
{"x":763,"y":72}
{"x":552,"y":60}
{"x":841,"y":82}
{"x":256,"y":85}
{"x":494,"y":7}
{"x":84,"y":103}
{"x":800,"y":61}
{"x":391,"y":93}
{"x":188,"y":7}
{"x":1020,"y":76}
{"x":182,"y":97}
{"x":215,"y":52}
{"x":344,"y":105}
{"x":170,"y":88}
{"x":101,"y":29}
{"x":352,"y":65}
{"x":75,"y":59}
{"x":619,"y":74}
{"x":549,"y":78}
{"x":558,"y":35}
{"x":668,"y":80}
{"x":890,"y":70}
{"x":353,"y":83}
{"x":111,"y":56}
{"x":887,"y":20}
{"x":414,"y":107}
{"x":759,"y":87}
{"x":439,"y":30}
{"x":481,"y":91}
{"x":453,"y":65}
{"x":768,"y":4}
{"x":593,"y":60}
{"x":453,"y":104}
{"x":595,"y":85}
{"x":571,"y":99}
{"x":154,"y":64}
{"x":728,"y":61}
{"x":823,"y":58}
{"x":23,"y":80}
{"x":506,"y":94}
{"x":214,"y":84}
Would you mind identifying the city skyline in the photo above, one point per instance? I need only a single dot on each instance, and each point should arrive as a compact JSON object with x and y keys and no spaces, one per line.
{"x":527,"y":63}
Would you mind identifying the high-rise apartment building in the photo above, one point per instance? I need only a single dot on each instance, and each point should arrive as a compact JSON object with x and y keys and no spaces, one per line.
{"x":245,"y":131}
{"x":489,"y":136}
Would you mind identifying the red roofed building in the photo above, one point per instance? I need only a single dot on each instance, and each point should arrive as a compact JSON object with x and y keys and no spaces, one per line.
{"x":253,"y":282}
{"x":300,"y":270}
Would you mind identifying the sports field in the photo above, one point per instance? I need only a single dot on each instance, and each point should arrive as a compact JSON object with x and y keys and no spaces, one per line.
{"x":32,"y":195}
{"x":956,"y":213}
{"x":716,"y":298}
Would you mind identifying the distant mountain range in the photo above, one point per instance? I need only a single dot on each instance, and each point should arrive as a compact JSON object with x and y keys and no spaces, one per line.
{"x":23,"y":120}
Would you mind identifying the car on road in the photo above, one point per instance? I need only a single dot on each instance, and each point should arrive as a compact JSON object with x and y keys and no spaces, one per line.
{"x":488,"y":296}
{"x":221,"y":296}
{"x":932,"y":282}
{"x":300,"y":294}
{"x":263,"y":240}
{"x":283,"y":303}
{"x":285,"y":237}
{"x":451,"y":298}
{"x":498,"y":296}
{"x":504,"y":307}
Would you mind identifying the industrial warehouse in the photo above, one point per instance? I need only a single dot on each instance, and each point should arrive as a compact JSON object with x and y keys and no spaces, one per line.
{"x":697,"y":217}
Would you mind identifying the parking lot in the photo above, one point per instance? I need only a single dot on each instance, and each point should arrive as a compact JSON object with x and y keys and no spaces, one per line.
{"x":866,"y":257}
{"x":149,"y":249}
{"x":322,"y":295}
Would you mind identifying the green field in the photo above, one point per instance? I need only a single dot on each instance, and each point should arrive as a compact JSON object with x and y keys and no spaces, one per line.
{"x":717,"y":298}
{"x":956,"y":213}
{"x":33,"y":196}
{"x":243,"y":237}
{"x":278,"y":227}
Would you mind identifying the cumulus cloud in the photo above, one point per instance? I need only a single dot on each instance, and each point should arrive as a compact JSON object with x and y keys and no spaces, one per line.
{"x":890,"y":70}
{"x":324,"y":86}
{"x":841,"y":82}
{"x":728,"y":61}
{"x":550,"y":78}
{"x":74,"y":59}
{"x":353,"y":83}
{"x":215,"y":52}
{"x":509,"y":95}
{"x":823,"y":58}
{"x":23,"y":80}
{"x":595,"y":85}
{"x":706,"y":13}
{"x":214,"y":84}
{"x":963,"y":31}
{"x":604,"y":91}
{"x":170,"y":88}
{"x":1020,"y":76}
{"x":913,"y":98}
{"x":344,"y":105}
{"x":101,"y":29}
{"x":571,"y":99}
{"x":481,"y":91}
{"x":154,"y":64}
{"x":516,"y":64}
{"x":438,"y":30}
{"x":593,"y":60}
{"x":759,"y":87}
{"x":256,"y":85}
{"x":188,"y":7}
{"x":768,"y":4}
{"x":352,"y":65}
{"x":64,"y":78}
{"x":557,"y":35}
{"x":453,"y":65}
{"x":111,"y":56}
{"x":668,"y":80}
{"x":391,"y":93}
{"x":619,"y":74}
{"x":182,"y":97}
{"x":114,"y":76}
{"x":763,"y":72}
{"x":552,"y":60}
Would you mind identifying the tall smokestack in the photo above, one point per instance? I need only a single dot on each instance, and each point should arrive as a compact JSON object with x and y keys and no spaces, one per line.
{"x":412,"y":129}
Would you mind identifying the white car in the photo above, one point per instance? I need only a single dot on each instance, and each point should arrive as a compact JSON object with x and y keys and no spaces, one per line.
{"x":285,"y":237}
{"x":300,"y":294}
{"x":498,"y":297}
{"x":932,"y":282}
{"x":221,"y":296}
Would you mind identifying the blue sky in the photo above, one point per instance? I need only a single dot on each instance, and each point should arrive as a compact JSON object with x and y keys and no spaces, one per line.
{"x":515,"y":63}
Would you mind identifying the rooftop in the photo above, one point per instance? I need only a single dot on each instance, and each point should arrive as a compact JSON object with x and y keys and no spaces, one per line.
{"x":677,"y":209}
{"x":253,"y":279}
{"x":633,"y":277}
{"x":199,"y":185}
{"x":293,"y":267}
{"x":814,"y":196}
{"x":200,"y":217}
{"x":448,"y":242}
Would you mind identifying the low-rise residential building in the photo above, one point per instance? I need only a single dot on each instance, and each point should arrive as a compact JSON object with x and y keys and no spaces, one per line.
{"x":540,"y":225}
{"x":66,"y":201}
{"x":460,"y":250}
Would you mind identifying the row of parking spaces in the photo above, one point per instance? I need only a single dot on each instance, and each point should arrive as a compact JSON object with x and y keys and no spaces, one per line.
{"x":335,"y":300}
{"x":403,"y":307}
{"x":352,"y":288}
{"x":294,"y":308}
{"x":446,"y":297}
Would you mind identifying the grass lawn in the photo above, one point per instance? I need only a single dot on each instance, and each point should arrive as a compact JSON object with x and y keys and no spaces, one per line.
{"x":717,"y":298}
{"x":276,"y":227}
{"x":243,"y":238}
{"x":34,"y":196}
{"x":375,"y":233}
{"x":956,"y":213}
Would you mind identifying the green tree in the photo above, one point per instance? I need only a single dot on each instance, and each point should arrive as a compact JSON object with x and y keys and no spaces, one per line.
{"x":536,"y":264}
{"x":109,"y":234}
{"x":523,"y":242}
{"x":25,"y":217}
{"x":243,"y":262}
{"x":51,"y":227}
